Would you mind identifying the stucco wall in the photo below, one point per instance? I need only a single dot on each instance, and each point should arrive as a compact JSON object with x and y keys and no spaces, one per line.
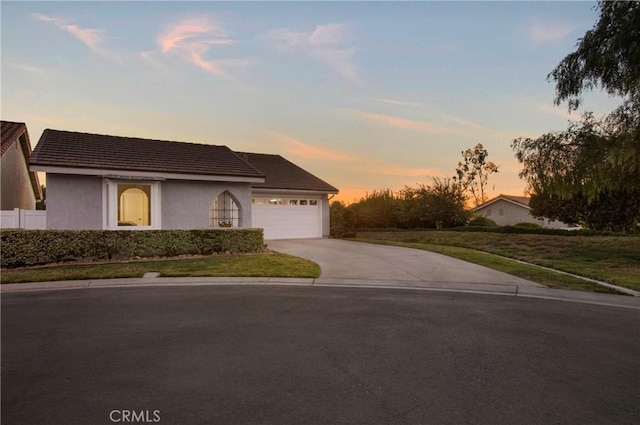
{"x":505,"y":213}
{"x":186,"y":204}
{"x":74,"y":202}
{"x":326,"y":224}
{"x":512,"y":214}
{"x":16,"y":190}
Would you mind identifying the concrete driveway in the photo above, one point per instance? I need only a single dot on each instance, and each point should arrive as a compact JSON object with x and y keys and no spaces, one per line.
{"x":340,"y":259}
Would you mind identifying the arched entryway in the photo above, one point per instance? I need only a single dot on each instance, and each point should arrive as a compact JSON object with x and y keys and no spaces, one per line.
{"x":225,"y":211}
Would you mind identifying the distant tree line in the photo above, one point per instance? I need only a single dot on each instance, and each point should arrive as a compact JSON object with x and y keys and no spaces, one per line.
{"x":440,"y":204}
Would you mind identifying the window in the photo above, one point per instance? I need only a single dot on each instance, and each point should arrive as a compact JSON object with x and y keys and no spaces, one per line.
{"x":303,"y":202}
{"x":273,"y":201}
{"x":258,"y":201}
{"x":293,"y":202}
{"x":313,"y":202}
{"x":500,"y":212}
{"x":131,"y":205}
{"x":224,"y":211}
{"x":488,"y":212}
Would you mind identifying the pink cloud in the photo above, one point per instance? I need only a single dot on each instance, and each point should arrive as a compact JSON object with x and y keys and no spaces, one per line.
{"x":398,"y":122}
{"x":299,"y":149}
{"x":91,"y":37}
{"x":324,"y":44}
{"x":463,"y":122}
{"x":192,"y":39}
{"x":548,"y":32}
{"x":557,"y":111}
{"x":382,"y":168}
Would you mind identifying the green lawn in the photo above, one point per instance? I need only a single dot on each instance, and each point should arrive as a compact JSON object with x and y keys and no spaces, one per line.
{"x":613,"y":259}
{"x":252,"y":265}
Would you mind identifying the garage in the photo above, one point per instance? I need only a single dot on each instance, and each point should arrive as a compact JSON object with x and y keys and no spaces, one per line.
{"x":287,"y":217}
{"x":291,"y":203}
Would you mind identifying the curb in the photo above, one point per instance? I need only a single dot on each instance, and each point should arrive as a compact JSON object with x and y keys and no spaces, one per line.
{"x":476,"y":288}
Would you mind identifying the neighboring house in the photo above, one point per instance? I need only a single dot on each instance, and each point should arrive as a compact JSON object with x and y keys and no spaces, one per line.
{"x":507,"y":210}
{"x":20,"y":188}
{"x":109,"y":182}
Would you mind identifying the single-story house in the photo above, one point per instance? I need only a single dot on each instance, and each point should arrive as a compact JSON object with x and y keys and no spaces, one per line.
{"x":123,"y":183}
{"x":507,"y":210}
{"x":19,"y":187}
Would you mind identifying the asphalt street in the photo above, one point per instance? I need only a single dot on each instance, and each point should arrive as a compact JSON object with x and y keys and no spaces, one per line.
{"x":314,"y":355}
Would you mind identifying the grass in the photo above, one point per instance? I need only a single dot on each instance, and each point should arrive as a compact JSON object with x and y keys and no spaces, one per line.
{"x":612,"y":259}
{"x":253,"y":265}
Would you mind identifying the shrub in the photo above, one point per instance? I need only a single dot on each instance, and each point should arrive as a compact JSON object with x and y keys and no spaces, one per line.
{"x":528,"y":225}
{"x":482,"y":221}
{"x":33,"y":247}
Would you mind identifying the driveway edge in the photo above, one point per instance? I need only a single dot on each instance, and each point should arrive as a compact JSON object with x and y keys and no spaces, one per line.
{"x":478,"y":288}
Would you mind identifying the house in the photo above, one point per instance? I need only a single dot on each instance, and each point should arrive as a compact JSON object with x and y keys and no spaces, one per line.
{"x":20,"y":188}
{"x":507,"y":210}
{"x":122,"y":183}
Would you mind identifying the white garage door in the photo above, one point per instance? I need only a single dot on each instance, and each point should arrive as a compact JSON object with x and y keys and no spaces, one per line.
{"x":287,"y":218}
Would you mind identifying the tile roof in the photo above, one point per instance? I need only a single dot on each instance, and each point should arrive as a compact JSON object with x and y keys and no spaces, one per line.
{"x":520,"y":200}
{"x":282,"y":174}
{"x":96,"y":151}
{"x":523,"y":200}
{"x":10,"y":132}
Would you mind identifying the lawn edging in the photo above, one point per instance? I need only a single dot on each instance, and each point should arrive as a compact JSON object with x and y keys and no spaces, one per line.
{"x":548,"y":277}
{"x":588,"y":279}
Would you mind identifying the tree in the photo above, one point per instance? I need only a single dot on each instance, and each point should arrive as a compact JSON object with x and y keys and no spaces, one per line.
{"x":607,"y":56}
{"x":41,"y":205}
{"x":595,"y":163}
{"x":473,"y":172}
{"x":441,"y":204}
{"x":343,"y":220}
{"x":376,"y":210}
{"x":606,"y":212}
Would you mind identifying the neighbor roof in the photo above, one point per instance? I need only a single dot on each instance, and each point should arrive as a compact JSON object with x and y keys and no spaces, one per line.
{"x":522,"y":201}
{"x":10,"y":133}
{"x":282,"y":174}
{"x":96,"y":151}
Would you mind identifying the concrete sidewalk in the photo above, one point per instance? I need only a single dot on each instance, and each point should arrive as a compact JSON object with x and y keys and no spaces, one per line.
{"x":477,"y":288}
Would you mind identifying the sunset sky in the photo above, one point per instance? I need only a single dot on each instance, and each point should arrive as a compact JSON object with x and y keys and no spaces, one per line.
{"x":365,"y":95}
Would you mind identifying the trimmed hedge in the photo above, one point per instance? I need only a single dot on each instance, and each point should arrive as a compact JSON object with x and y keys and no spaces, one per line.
{"x":508,"y":229}
{"x":33,"y":247}
{"x":482,"y":221}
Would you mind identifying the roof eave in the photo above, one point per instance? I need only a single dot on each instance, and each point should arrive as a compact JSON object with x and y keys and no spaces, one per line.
{"x":486,"y":204}
{"x":111,"y":172}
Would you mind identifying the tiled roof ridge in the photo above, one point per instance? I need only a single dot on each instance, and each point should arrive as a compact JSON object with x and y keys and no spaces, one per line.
{"x":14,"y":122}
{"x":10,"y":137}
{"x":241,"y":156}
{"x":131,"y":138}
{"x":284,"y":174}
{"x":516,"y":198}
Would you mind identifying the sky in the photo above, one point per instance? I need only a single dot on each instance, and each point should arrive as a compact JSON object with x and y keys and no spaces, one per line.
{"x":365,"y":95}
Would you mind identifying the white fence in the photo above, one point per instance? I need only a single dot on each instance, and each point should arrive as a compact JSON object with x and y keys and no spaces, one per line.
{"x":23,"y":219}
